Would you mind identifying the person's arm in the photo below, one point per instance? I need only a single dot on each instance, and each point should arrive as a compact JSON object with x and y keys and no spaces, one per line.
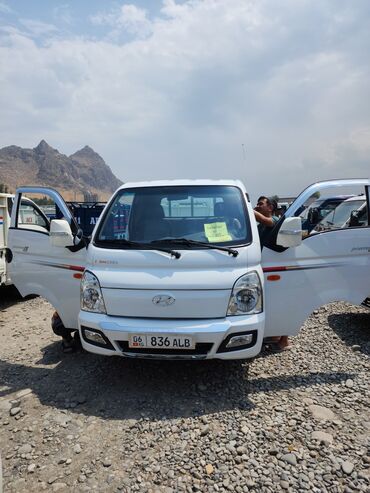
{"x":267,"y":221}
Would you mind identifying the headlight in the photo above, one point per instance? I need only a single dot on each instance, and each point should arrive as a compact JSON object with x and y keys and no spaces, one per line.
{"x":91,"y":295}
{"x":246,"y":296}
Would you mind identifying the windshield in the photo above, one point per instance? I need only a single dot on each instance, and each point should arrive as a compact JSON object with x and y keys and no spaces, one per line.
{"x":213,"y":214}
{"x":338,"y":217}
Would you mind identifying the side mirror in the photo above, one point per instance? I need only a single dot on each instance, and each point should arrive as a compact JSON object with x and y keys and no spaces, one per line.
{"x":78,"y":237}
{"x":314,"y":215}
{"x":60,"y":233}
{"x":290,"y":232}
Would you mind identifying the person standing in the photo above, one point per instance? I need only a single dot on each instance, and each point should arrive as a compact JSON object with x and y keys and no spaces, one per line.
{"x":70,"y":341}
{"x":266,"y":216}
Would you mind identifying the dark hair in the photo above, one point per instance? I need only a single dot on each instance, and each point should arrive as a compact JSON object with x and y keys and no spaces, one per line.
{"x":270,"y":201}
{"x":273,"y":203}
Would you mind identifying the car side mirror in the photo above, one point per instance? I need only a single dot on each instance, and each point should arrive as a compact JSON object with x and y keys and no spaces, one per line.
{"x":78,"y":237}
{"x":60,"y":233}
{"x":290,"y":232}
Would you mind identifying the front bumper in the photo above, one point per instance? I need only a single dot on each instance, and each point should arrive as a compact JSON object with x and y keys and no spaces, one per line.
{"x":208,"y":335}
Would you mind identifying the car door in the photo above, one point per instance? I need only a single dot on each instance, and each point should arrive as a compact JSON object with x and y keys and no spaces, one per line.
{"x":332,"y":265}
{"x":36,"y":265}
{"x":3,"y":236}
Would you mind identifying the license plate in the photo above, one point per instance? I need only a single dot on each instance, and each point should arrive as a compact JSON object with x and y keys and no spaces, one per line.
{"x":160,"y":341}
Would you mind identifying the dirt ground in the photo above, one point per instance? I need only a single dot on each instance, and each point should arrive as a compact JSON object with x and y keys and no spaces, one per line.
{"x":295,"y":421}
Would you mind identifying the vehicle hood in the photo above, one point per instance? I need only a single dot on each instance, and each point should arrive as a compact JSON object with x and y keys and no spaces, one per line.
{"x":151,"y":269}
{"x":142,"y":283}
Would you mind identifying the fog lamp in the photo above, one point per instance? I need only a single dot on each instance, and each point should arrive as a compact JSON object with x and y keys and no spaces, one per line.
{"x":239,"y":340}
{"x":94,"y":337}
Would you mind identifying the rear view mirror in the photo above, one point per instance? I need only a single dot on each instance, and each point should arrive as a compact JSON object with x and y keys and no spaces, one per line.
{"x":60,"y":233}
{"x":290,"y":232}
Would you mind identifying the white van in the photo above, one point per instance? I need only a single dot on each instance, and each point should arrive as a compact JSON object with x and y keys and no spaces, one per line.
{"x":175,"y":269}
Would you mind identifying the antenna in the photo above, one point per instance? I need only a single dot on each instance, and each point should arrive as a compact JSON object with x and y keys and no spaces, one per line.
{"x":244,"y":154}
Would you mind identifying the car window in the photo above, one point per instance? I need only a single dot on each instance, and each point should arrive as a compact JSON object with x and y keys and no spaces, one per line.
{"x":343,"y":216}
{"x":30,"y":217}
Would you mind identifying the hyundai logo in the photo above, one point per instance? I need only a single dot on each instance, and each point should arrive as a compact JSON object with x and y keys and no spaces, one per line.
{"x":163,"y":300}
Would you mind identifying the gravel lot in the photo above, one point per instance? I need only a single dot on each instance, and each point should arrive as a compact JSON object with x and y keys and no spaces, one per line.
{"x":294,"y":421}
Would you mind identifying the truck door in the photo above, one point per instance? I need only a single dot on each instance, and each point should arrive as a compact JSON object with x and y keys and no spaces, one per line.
{"x":4,"y":224}
{"x":38,"y":263}
{"x":329,"y":265}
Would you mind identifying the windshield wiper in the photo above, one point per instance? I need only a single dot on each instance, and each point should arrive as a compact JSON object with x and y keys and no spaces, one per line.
{"x":143,"y":246}
{"x":187,"y":242}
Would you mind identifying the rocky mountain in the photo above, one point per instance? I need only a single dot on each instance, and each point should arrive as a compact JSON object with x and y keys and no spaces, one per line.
{"x":82,"y":174}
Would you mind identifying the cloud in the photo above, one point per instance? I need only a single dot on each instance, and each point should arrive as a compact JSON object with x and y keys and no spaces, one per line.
{"x":63,"y":13}
{"x":191,"y":84}
{"x":37,"y":28}
{"x":5,"y":9}
{"x":127,"y":18}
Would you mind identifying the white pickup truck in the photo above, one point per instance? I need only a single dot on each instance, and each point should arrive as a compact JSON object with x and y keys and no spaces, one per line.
{"x":175,"y":269}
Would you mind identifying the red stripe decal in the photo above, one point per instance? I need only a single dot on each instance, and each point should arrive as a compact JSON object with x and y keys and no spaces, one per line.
{"x":75,"y":267}
{"x":285,"y":268}
{"x":274,"y":269}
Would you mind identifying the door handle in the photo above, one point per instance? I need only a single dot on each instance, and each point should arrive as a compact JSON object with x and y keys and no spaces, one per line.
{"x":22,"y":248}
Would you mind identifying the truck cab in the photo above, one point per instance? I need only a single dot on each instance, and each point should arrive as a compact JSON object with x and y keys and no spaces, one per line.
{"x":174,"y":269}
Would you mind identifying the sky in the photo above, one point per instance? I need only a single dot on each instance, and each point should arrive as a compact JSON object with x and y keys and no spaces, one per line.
{"x":275,"y":94}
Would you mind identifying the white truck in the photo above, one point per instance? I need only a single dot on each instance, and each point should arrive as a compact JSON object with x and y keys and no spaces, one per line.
{"x":175,"y":269}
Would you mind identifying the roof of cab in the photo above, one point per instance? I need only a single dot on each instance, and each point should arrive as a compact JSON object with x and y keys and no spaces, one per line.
{"x":179,"y":183}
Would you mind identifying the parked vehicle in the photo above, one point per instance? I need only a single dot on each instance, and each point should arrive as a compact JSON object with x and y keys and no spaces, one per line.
{"x":181,"y":273}
{"x":282,"y":207}
{"x":85,"y":213}
{"x":319,"y":209}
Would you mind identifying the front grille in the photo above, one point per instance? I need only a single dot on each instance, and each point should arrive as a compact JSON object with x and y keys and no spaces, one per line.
{"x":201,"y":349}
{"x":366,"y":302}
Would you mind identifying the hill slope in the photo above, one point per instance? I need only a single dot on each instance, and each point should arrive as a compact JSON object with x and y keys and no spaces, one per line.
{"x":84,"y":172}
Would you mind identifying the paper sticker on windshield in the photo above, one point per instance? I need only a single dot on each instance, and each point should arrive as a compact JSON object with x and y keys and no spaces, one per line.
{"x":217,"y":232}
